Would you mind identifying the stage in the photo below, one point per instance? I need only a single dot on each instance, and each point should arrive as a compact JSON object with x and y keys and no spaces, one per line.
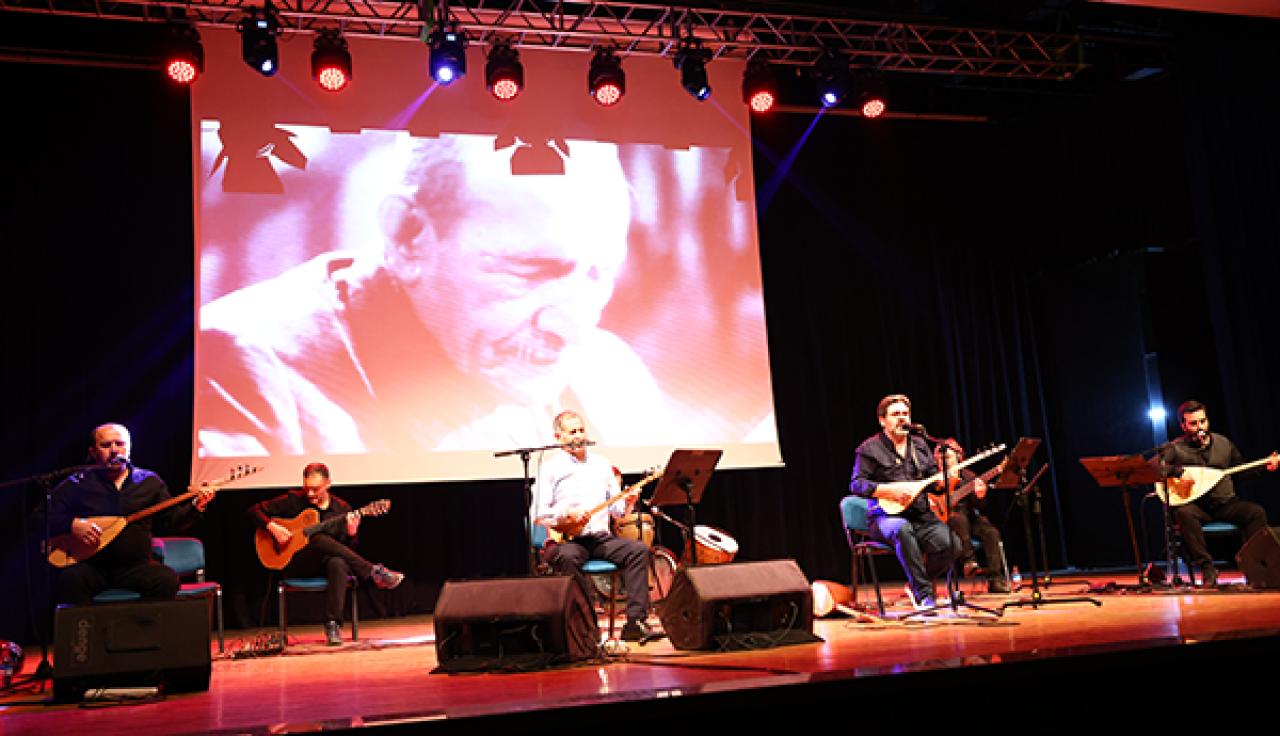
{"x":1141,"y":655}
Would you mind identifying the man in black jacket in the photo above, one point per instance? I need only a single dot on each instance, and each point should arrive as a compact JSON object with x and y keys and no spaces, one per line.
{"x":326,"y":554}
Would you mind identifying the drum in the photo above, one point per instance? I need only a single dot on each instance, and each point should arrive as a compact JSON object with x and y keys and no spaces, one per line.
{"x":715,"y":546}
{"x":635,"y":525}
{"x":661,"y":573}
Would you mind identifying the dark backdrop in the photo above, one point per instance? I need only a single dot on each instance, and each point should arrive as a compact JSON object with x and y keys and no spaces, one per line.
{"x":1023,"y":276}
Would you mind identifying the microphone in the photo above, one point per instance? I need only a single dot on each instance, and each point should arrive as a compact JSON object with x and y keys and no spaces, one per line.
{"x":1202,"y":436}
{"x":579,"y":443}
{"x":118,"y":460}
{"x":917,"y":429}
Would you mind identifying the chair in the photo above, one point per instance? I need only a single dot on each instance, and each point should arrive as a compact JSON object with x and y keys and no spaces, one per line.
{"x":317,"y":585}
{"x":853,"y":511}
{"x":185,"y":556}
{"x":538,"y":537}
{"x":117,"y":595}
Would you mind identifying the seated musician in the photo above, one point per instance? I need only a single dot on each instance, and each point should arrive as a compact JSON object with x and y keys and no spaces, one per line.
{"x":1199,"y":447}
{"x":117,"y":488}
{"x":326,"y":554}
{"x":894,"y":455}
{"x":570,"y":483}
{"x":967,"y":520}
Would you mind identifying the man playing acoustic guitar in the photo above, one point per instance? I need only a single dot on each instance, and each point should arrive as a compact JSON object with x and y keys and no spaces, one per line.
{"x":115,"y":488}
{"x":570,"y":483}
{"x":1196,"y":449}
{"x":327,"y":554}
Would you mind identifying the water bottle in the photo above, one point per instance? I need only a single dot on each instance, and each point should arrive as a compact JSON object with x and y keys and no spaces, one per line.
{"x":1015,"y":576}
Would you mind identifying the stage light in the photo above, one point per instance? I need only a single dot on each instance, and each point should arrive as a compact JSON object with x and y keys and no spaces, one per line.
{"x":691,"y":59}
{"x":831,"y":74}
{"x":1156,"y":414}
{"x":871,"y":98}
{"x":447,"y":58}
{"x":503,"y":73}
{"x":605,"y":79}
{"x":331,"y":61}
{"x":759,"y":87}
{"x":184,"y":55}
{"x":258,"y":40}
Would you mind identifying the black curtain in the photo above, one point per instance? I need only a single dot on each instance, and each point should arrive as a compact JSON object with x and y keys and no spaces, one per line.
{"x":1013,"y":276}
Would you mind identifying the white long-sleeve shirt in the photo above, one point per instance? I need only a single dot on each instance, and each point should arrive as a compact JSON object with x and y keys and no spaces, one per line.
{"x":566,"y":484}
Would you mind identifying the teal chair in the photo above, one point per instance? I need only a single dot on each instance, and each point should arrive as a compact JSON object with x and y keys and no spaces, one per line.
{"x":117,"y":595}
{"x":862,"y":548}
{"x":185,"y":556}
{"x":316,"y":585}
{"x":610,"y":593}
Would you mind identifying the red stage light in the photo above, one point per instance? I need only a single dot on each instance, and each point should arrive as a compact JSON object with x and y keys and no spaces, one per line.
{"x":874,"y":108}
{"x":182,"y":71}
{"x":505,"y":89}
{"x":332,"y":78}
{"x":608,"y":94}
{"x":762,"y":101}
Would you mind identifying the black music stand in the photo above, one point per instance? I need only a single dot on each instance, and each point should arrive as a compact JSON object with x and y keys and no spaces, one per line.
{"x":1014,"y":478}
{"x":1029,"y":496}
{"x":683,"y":482}
{"x":1124,"y":472}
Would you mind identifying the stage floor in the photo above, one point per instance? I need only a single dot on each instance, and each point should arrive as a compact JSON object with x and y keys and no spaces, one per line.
{"x":384,"y":680}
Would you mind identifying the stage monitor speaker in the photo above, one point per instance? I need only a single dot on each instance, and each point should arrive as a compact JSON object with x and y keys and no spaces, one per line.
{"x":142,"y":644}
{"x":742,"y":605}
{"x":513,"y":624}
{"x":1259,"y":559}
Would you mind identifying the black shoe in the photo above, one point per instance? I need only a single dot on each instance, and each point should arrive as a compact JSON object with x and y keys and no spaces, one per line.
{"x":333,"y":634}
{"x":998,"y":585}
{"x":637,"y":630}
{"x":1209,"y":573}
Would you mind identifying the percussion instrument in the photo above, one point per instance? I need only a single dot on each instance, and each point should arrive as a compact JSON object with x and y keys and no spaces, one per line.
{"x":636,"y":525}
{"x":715,"y":546}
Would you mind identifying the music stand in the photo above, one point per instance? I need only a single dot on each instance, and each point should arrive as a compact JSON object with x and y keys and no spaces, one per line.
{"x":1124,"y":472}
{"x":683,"y":482}
{"x":1029,"y":490}
{"x":525,"y":453}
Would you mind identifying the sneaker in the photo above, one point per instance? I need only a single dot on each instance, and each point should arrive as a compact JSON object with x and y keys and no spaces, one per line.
{"x":333,"y":633}
{"x":637,"y":630}
{"x":386,"y":579}
{"x":1209,"y":573}
{"x":998,"y":585}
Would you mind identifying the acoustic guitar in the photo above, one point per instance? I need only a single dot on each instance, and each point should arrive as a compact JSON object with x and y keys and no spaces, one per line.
{"x":276,"y":556}
{"x":914,"y":487}
{"x":563,"y":530}
{"x":942,"y":505}
{"x":1198,"y":480}
{"x":65,"y":550}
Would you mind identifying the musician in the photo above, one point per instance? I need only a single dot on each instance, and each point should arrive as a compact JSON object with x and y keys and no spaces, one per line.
{"x":116,"y":487}
{"x":1199,"y":447}
{"x":328,"y":555}
{"x":895,"y":455}
{"x":570,"y":483}
{"x":967,"y":520}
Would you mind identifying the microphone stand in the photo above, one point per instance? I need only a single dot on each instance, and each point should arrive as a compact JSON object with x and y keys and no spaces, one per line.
{"x":955,"y":597}
{"x":47,"y":482}
{"x":525,"y":453}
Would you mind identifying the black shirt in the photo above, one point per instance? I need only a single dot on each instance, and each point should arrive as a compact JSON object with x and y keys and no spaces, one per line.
{"x":1219,"y":453}
{"x":876,"y":461}
{"x":94,"y":493}
{"x":295,"y":502}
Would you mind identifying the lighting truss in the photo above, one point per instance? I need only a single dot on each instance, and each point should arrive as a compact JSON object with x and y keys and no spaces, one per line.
{"x":644,"y":29}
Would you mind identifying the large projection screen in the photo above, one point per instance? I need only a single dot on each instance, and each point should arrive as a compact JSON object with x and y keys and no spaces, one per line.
{"x":402,"y":279}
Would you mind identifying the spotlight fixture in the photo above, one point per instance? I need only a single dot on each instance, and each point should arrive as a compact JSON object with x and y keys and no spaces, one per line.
{"x":447,"y":58}
{"x":183,"y":55}
{"x":331,"y":61}
{"x":691,"y":59}
{"x":258,"y":40}
{"x":871,"y":98}
{"x":831,"y":73}
{"x":759,"y":87}
{"x":606,"y":81}
{"x":503,"y":72}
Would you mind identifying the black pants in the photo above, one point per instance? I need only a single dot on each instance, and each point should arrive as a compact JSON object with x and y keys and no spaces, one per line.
{"x":326,"y":557}
{"x":1192,"y":517}
{"x":968,"y":525}
{"x":631,"y":557}
{"x":79,"y":583}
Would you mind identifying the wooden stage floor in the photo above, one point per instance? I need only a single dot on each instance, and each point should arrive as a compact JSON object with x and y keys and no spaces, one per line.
{"x":1044,"y":669}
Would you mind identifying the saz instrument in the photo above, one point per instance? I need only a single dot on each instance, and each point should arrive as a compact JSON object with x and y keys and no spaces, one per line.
{"x":65,"y":550}
{"x":275,"y":556}
{"x":1198,"y":480}
{"x":942,"y":505}
{"x":563,"y":530}
{"x":914,"y":487}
